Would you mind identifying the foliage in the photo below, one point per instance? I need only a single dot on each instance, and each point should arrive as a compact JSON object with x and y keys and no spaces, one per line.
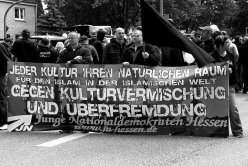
{"x":239,"y":22}
{"x":123,"y":13}
{"x":77,"y":11}
{"x":220,"y":11}
{"x":51,"y":22}
{"x":40,"y":10}
{"x":117,"y":13}
{"x":190,"y":14}
{"x":187,"y":14}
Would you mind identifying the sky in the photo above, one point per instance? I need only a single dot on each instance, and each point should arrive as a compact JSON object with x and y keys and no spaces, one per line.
{"x":44,"y":5}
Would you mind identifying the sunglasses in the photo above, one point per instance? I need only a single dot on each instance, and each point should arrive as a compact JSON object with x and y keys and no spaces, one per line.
{"x":135,"y":36}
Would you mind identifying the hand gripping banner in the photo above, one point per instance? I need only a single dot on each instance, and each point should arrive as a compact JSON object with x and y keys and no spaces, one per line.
{"x":130,"y":99}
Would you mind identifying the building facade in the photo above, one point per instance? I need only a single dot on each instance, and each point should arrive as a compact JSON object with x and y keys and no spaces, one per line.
{"x":21,"y":16}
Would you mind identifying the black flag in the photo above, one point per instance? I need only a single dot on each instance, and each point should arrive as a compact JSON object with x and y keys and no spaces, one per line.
{"x":160,"y":32}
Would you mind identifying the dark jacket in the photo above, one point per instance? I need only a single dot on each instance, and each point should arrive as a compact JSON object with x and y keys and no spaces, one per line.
{"x":68,"y":55}
{"x":229,"y":57}
{"x":4,"y":52}
{"x":113,"y":52}
{"x":98,"y":44}
{"x":136,"y":57}
{"x":243,"y":54}
{"x":48,"y":54}
{"x":208,"y":45}
{"x":99,"y":48}
{"x":93,"y":52}
{"x":172,"y":57}
{"x":26,"y":50}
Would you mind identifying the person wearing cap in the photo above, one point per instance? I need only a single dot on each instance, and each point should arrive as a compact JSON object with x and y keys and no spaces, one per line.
{"x":48,"y":54}
{"x":135,"y":53}
{"x":113,"y":51}
{"x":84,"y":41}
{"x":208,"y":42}
{"x":221,"y":54}
{"x":24,"y":49}
{"x":98,"y":43}
{"x":214,"y":28}
{"x":5,"y":56}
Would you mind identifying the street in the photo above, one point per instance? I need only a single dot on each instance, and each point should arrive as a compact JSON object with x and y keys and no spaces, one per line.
{"x":93,"y":149}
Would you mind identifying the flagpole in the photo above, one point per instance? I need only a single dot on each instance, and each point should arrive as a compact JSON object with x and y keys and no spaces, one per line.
{"x":162,"y":8}
{"x":144,"y":49}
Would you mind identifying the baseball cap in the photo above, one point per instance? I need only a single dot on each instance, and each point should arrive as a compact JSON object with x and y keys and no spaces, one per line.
{"x":214,"y":28}
{"x":206,"y":28}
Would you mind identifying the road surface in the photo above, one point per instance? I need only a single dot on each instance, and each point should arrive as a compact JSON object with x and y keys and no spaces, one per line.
{"x":96,"y":149}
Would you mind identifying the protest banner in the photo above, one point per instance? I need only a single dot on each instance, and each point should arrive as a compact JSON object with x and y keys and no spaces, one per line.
{"x":129,"y":99}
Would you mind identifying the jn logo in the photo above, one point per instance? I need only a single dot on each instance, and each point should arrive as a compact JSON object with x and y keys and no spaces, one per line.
{"x":21,"y":123}
{"x":24,"y":128}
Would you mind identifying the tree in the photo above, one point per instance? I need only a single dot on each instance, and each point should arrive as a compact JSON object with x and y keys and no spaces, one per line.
{"x":184,"y":13}
{"x":219,"y":11}
{"x":187,"y":14}
{"x":123,"y":13}
{"x":190,"y":14}
{"x":239,"y":22}
{"x":117,"y":13}
{"x":52,"y":21}
{"x":40,"y":10}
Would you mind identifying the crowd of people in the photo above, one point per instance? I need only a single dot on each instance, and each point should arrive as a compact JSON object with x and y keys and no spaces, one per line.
{"x":130,"y":49}
{"x":238,"y":47}
{"x":222,"y":48}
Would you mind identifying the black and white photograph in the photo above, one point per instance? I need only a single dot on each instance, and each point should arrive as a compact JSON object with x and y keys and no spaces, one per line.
{"x":124,"y":82}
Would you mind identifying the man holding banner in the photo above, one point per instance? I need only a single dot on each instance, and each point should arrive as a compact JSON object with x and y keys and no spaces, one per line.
{"x":160,"y":32}
{"x":74,"y":53}
{"x":221,"y":54}
{"x":139,"y":52}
